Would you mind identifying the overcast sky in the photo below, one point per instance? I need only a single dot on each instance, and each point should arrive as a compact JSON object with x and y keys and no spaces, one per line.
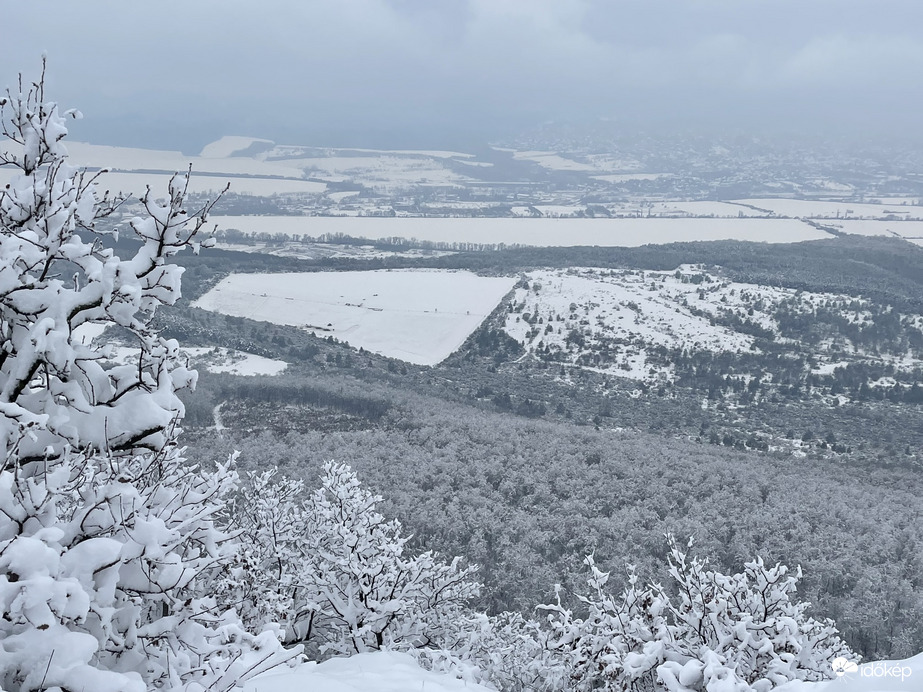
{"x":360,"y":72}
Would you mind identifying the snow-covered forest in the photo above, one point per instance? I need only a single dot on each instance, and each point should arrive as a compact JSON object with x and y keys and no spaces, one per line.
{"x":126,"y":565}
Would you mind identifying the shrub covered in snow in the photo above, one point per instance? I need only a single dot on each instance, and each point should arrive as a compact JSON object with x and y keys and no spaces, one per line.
{"x":718,"y":633}
{"x":335,"y":574}
{"x":108,"y":540}
{"x":506,"y":652}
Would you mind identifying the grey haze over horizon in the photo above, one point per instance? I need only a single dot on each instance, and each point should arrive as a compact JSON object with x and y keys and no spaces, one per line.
{"x":175,"y":74}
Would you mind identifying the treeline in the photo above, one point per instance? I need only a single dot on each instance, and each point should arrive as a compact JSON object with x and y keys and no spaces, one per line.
{"x":391,"y":243}
{"x":302,"y":394}
{"x":885,"y":270}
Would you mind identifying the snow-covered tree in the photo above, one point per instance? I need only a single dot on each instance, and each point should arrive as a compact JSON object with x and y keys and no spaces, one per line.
{"x":719,"y":633}
{"x":337,"y":575}
{"x":108,"y":540}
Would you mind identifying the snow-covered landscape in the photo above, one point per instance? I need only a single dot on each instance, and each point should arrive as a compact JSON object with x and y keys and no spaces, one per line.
{"x":389,"y":346}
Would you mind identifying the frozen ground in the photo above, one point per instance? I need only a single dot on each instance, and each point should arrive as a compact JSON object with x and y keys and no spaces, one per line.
{"x":417,"y":316}
{"x":381,"y":671}
{"x":541,"y":232}
{"x":385,"y":671}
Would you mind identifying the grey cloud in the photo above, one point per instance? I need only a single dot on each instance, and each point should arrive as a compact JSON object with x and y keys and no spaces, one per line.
{"x":300,"y":68}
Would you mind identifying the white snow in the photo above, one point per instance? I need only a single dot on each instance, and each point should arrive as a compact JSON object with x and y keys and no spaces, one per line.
{"x":621,"y":315}
{"x":215,"y":359}
{"x":553,"y":161}
{"x":129,"y":159}
{"x":383,"y":173}
{"x":418,"y":316}
{"x":624,"y":232}
{"x":627,"y":177}
{"x":229,"y":145}
{"x":832,"y":210}
{"x":86,"y":332}
{"x":385,"y":671}
{"x":380,"y":671}
{"x":434,"y":153}
{"x":873,"y":676}
{"x":233,"y":362}
{"x":340,"y":196}
{"x":618,"y":306}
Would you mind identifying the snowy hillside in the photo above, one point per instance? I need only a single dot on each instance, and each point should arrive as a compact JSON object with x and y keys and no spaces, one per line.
{"x":615,"y":321}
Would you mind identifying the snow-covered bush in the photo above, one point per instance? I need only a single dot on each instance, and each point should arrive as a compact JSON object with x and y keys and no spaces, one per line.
{"x":108,"y":540}
{"x":506,"y":652}
{"x":718,"y":633}
{"x":339,"y":574}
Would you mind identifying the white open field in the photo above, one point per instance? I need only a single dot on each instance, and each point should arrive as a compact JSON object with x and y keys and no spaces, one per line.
{"x":417,"y":315}
{"x":538,"y":232}
{"x":818,"y":209}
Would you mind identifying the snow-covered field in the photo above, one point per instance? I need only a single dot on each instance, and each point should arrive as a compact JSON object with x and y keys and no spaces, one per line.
{"x":128,"y":159}
{"x":553,"y":161}
{"x":233,"y":362}
{"x":833,"y":210}
{"x":533,"y":231}
{"x":627,"y":177}
{"x":383,"y":173}
{"x":417,"y":316}
{"x":614,"y":166}
{"x":230,"y":145}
